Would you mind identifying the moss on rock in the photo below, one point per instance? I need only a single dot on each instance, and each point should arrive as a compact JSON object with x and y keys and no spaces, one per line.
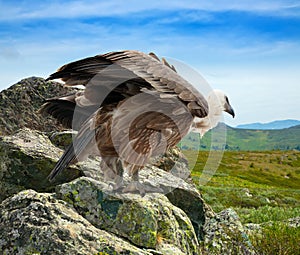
{"x":38,"y":223}
{"x":150,"y":221}
{"x":27,"y":158}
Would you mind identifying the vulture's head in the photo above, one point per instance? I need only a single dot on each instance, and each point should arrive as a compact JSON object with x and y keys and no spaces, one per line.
{"x":217,"y":103}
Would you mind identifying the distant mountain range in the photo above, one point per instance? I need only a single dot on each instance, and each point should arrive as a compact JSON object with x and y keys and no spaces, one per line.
{"x":245,"y":139}
{"x":278,"y":124}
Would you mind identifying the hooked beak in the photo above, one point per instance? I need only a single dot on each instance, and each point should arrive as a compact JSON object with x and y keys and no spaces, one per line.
{"x":229,"y":110}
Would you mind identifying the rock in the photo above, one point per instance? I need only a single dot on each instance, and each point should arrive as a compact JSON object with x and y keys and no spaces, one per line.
{"x":62,"y":139}
{"x":257,"y":228}
{"x":294,"y":222}
{"x":173,"y":161}
{"x":37,"y":223}
{"x":246,"y":192}
{"x":179,"y":192}
{"x":26,"y":160}
{"x":192,"y":203}
{"x":150,"y":222}
{"x":169,"y":223}
{"x":19,"y":105}
{"x":252,"y":227}
{"x":225,"y":234}
{"x":28,"y":157}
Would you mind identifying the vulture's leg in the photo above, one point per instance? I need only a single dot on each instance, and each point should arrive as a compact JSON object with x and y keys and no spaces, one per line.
{"x":135,"y":185}
{"x":113,"y":171}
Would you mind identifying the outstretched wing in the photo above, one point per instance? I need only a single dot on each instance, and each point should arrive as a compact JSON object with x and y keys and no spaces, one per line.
{"x":118,"y":75}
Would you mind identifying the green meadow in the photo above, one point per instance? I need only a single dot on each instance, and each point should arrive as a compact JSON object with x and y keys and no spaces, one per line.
{"x":262,"y":187}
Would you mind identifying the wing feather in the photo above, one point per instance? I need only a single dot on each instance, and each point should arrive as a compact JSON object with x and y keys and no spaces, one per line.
{"x":114,"y":69}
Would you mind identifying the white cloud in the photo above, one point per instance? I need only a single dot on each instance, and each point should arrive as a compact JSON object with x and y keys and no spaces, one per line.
{"x":75,"y":9}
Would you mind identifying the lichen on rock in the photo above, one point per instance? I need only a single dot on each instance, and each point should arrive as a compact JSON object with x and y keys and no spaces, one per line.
{"x":20,"y":103}
{"x":38,"y":223}
{"x":225,"y":234}
{"x":27,"y":157}
{"x":150,"y":221}
{"x":174,"y":222}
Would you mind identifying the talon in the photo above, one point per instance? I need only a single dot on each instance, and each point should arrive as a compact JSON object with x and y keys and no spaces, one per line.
{"x":134,"y":187}
{"x":117,"y":185}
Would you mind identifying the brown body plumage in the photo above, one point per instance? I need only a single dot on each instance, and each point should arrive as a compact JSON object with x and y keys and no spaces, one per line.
{"x":134,"y":106}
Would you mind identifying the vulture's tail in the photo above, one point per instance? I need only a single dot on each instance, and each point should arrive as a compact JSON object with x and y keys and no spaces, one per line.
{"x":75,"y":150}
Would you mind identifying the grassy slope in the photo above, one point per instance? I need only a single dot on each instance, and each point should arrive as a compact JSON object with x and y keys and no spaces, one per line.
{"x":249,"y":140}
{"x":261,"y":186}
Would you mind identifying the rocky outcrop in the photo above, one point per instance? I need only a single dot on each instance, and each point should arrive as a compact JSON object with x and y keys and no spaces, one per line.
{"x":79,"y":214}
{"x":151,"y":222}
{"x":38,"y":223}
{"x":175,"y":222}
{"x":19,"y":105}
{"x":26,"y":159}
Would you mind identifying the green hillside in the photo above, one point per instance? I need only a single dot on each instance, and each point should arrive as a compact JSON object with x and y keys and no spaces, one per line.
{"x":263,"y":187}
{"x":245,"y":139}
{"x":251,"y":181}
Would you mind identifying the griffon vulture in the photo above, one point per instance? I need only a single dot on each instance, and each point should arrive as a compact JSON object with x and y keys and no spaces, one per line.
{"x":134,"y":106}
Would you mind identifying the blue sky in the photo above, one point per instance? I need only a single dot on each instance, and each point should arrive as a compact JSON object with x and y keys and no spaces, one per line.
{"x":248,"y":48}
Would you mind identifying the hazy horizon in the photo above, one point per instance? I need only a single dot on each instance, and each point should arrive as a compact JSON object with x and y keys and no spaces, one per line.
{"x":249,"y":49}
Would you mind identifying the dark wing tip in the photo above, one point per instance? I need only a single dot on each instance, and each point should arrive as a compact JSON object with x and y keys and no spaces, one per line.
{"x":61,"y":110}
{"x":66,"y":159}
